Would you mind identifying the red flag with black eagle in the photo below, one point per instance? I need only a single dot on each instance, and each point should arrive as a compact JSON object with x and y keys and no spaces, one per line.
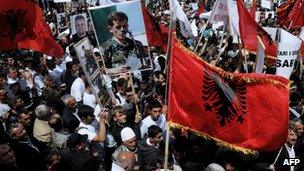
{"x":245,"y":112}
{"x":250,"y":29}
{"x":284,"y":11}
{"x":154,"y":33}
{"x":22,"y":27}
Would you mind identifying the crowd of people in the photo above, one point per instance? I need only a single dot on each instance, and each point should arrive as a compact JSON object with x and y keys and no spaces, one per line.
{"x":51,"y":120}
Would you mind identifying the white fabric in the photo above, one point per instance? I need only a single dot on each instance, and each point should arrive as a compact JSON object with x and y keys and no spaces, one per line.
{"x":121,"y":101}
{"x":77,"y":89}
{"x":89,"y":99}
{"x":179,"y":14}
{"x":147,"y":122}
{"x":288,"y":49}
{"x":88,"y":130}
{"x":126,"y":134}
{"x":38,"y":80}
{"x":4,"y":108}
{"x":116,"y":167}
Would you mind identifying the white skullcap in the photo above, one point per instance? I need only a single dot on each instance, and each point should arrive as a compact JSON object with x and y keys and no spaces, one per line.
{"x":126,"y":134}
{"x":214,"y":167}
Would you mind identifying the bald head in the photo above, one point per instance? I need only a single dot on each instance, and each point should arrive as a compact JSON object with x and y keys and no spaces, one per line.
{"x":125,"y":159}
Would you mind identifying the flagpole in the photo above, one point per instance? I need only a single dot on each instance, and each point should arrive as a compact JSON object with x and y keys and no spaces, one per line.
{"x":169,"y":44}
{"x":204,"y":28}
{"x":222,"y":38}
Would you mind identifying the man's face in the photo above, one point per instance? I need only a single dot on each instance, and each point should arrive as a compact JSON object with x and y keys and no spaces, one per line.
{"x":291,"y":138}
{"x":18,"y":132}
{"x":155,"y":113}
{"x":299,"y":128}
{"x":72,"y":103}
{"x":120,"y":117}
{"x":80,"y":27}
{"x":117,"y":29}
{"x":158,"y":138}
{"x":25,"y":118}
{"x":7,"y":154}
{"x":130,"y":144}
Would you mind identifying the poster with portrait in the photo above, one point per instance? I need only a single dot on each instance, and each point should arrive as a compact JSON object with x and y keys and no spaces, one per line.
{"x":92,"y":70}
{"x":84,"y":51}
{"x":62,"y":20}
{"x":79,"y":24}
{"x":100,"y":89}
{"x":121,"y":34}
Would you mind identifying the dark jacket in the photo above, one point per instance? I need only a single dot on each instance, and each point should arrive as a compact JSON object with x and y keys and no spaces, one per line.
{"x":73,"y":160}
{"x":148,"y":156}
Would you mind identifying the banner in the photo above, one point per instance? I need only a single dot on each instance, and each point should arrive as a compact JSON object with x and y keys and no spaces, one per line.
{"x":179,"y":15}
{"x":232,"y":109}
{"x":288,"y":51}
{"x":219,"y":12}
{"x":260,"y":59}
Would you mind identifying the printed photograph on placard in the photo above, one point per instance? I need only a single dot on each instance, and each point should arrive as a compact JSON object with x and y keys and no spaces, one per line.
{"x":84,"y":51}
{"x":61,"y":20}
{"x":78,"y":26}
{"x":121,"y":33}
{"x":100,"y":89}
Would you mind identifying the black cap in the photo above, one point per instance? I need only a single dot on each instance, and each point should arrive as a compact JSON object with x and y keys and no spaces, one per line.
{"x":76,"y":139}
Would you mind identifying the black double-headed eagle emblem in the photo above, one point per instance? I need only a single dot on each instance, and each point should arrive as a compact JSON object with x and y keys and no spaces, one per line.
{"x":224,"y":97}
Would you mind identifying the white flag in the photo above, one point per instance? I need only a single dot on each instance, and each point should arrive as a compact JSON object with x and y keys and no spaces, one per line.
{"x":179,"y":14}
{"x":301,"y":35}
{"x":194,"y":28}
{"x":259,"y":64}
{"x":233,"y":18}
{"x":219,"y":12}
{"x":288,"y":50}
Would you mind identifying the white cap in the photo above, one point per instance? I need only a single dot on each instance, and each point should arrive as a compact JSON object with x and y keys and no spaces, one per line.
{"x":126,"y":134}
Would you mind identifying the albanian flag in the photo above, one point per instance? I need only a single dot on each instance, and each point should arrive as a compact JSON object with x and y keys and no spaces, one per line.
{"x":22,"y":26}
{"x":154,"y":34}
{"x":241,"y":111}
{"x":250,"y":29}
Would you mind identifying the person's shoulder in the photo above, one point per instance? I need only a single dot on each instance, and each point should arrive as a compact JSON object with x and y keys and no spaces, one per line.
{"x":108,"y":44}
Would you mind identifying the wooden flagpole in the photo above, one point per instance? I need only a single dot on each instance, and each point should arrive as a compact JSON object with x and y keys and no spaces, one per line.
{"x":169,"y":45}
{"x":204,"y":28}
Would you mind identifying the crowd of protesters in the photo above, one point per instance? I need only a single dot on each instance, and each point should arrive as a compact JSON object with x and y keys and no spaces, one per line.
{"x":44,"y":126}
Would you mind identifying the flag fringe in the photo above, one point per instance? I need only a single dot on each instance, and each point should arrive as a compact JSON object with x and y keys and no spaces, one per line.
{"x":248,"y":80}
{"x":219,"y":142}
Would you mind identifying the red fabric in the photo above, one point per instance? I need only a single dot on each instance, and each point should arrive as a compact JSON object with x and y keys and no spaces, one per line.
{"x":283,"y":12}
{"x":256,"y":121}
{"x":22,"y":26}
{"x":153,"y":30}
{"x":201,"y":8}
{"x":296,"y":16}
{"x":250,"y":29}
{"x":253,"y":9}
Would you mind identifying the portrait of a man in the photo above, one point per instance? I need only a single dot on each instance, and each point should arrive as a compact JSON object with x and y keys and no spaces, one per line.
{"x":79,"y":25}
{"x":122,"y":50}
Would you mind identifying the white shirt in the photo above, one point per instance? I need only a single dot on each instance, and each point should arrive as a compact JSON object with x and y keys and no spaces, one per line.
{"x":38,"y":81}
{"x":147,"y":122}
{"x":116,"y":167}
{"x":291,"y":154}
{"x":89,"y":99}
{"x":89,"y":130}
{"x":4,"y":108}
{"x":121,"y":101}
{"x":77,"y":89}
